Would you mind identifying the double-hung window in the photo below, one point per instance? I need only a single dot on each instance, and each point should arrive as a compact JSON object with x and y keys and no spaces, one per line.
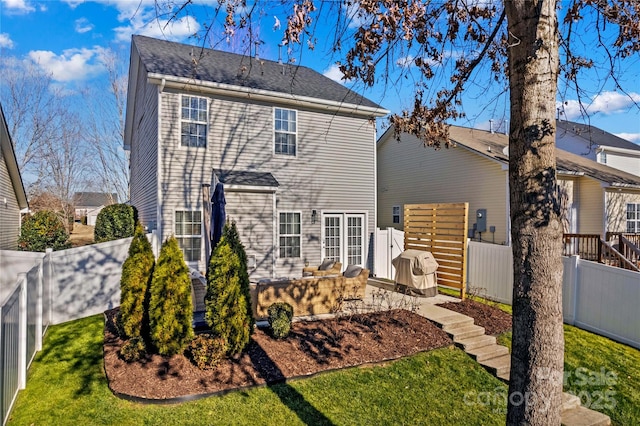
{"x":395,"y":214}
{"x":633,"y":218}
{"x":194,"y":121}
{"x":189,"y":234}
{"x":289,"y":234}
{"x":285,"y":129}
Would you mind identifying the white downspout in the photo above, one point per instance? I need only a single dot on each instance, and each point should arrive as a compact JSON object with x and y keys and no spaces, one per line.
{"x":275,"y":238}
{"x":371,"y":266}
{"x":159,"y":207}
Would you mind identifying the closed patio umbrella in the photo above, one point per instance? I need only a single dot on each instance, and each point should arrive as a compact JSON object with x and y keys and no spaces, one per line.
{"x":218,"y":214}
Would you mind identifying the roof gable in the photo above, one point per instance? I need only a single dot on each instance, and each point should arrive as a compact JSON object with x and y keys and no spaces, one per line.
{"x":94,"y":199}
{"x":197,"y":63}
{"x":595,"y":136}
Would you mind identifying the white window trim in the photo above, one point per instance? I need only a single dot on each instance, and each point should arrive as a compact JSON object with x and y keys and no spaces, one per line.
{"x":184,"y":120}
{"x":636,"y":220}
{"x":289,"y":235}
{"x":273,"y":115}
{"x":176,"y":210}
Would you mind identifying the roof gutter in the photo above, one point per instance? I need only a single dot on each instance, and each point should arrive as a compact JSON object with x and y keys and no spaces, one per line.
{"x":262,"y":95}
{"x":607,"y":148}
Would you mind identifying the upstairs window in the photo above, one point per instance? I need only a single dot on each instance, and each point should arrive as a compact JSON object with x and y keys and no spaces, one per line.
{"x":189,"y":234}
{"x":194,"y":121}
{"x":289,"y":234}
{"x":395,"y":214}
{"x":633,"y":218}
{"x":285,"y":129}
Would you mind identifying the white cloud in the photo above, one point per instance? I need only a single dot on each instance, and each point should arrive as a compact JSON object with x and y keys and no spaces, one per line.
{"x":5,"y":41}
{"x":176,"y":30}
{"x":632,"y":137}
{"x":72,"y":64}
{"x":606,"y":103}
{"x":83,"y":25}
{"x":18,"y":6}
{"x":334,"y":73}
{"x":406,"y":61}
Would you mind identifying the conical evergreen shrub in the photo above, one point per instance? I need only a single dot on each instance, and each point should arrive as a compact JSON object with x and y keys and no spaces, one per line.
{"x":134,"y":287}
{"x":171,"y":307}
{"x":230,"y":231}
{"x":226,"y":305}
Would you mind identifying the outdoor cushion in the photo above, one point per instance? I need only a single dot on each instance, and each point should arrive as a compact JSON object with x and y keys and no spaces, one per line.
{"x":326,"y":264}
{"x":352,"y":271}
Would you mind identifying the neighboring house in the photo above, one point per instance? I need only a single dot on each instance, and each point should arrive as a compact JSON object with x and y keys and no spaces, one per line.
{"x":13,"y":198}
{"x":89,"y":204}
{"x":598,"y":198}
{"x":598,"y":145}
{"x":294,"y":149}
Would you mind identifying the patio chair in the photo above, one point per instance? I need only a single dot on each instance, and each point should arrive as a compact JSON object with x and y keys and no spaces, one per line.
{"x":327,"y":267}
{"x":355,"y":282}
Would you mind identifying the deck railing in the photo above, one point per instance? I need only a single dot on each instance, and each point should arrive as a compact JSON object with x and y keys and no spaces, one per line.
{"x":592,"y":247}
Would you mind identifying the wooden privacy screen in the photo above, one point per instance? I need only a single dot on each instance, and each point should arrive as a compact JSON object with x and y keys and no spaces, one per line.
{"x":442,"y":230}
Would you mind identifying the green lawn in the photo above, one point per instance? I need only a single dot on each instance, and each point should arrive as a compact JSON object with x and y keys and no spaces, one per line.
{"x":66,"y":385}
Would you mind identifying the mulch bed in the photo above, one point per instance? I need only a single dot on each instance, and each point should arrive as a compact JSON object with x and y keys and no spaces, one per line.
{"x":312,"y":347}
{"x":493,"y":319}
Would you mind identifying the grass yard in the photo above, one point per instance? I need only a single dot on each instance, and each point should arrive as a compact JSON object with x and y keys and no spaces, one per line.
{"x":66,"y":385}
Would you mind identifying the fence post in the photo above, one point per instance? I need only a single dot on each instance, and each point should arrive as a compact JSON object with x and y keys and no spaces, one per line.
{"x":49,"y":278}
{"x":22,"y":332}
{"x":39,"y":307}
{"x":570,"y":289}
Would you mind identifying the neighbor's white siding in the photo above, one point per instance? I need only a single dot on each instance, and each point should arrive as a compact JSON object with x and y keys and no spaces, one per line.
{"x":144,"y":150}
{"x":409,"y":173}
{"x":10,"y":216}
{"x":626,"y":162}
{"x":332,"y":171}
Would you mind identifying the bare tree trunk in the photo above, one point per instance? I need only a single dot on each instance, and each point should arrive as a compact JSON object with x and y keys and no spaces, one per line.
{"x":535,"y":387}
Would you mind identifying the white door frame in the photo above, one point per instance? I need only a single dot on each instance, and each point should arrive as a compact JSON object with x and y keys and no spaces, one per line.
{"x":343,"y":217}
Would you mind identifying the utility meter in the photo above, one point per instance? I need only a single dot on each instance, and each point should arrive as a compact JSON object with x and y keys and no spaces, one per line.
{"x":481,"y":220}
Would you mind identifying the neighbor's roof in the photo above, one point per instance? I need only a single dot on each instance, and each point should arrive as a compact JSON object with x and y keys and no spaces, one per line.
{"x":94,"y":199}
{"x":197,"y":63}
{"x":595,"y":136}
{"x":11,"y":162}
{"x":494,"y":145}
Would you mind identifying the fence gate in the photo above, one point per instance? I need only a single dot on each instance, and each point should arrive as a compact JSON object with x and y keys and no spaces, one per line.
{"x":442,"y":230}
{"x":389,"y":243}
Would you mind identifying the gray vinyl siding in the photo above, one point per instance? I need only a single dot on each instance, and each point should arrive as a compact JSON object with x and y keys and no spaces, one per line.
{"x":144,"y":152}
{"x":10,"y":216}
{"x":333,"y":170}
{"x":409,"y":173}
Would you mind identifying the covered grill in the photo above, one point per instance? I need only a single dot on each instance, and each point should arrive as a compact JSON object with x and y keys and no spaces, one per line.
{"x":416,"y":269}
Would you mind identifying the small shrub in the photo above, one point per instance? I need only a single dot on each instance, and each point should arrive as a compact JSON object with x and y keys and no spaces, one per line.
{"x":83,"y":220}
{"x":170,"y":306}
{"x":206,"y":351}
{"x":230,"y":232}
{"x":43,"y":230}
{"x":133,"y":350}
{"x":280,"y":316}
{"x":114,"y":222}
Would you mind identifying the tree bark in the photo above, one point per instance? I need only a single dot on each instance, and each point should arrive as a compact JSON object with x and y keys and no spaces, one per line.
{"x":535,"y":386}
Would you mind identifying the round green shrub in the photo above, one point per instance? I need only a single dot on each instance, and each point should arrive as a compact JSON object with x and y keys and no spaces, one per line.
{"x":133,"y":350}
{"x":280,"y":316}
{"x":137,"y":271}
{"x":171,"y":306}
{"x":227,"y":307}
{"x":114,"y":222}
{"x":42,"y":230}
{"x":206,"y":351}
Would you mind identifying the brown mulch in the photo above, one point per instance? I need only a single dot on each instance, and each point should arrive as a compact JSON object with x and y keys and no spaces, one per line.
{"x":493,"y":319}
{"x":312,"y":347}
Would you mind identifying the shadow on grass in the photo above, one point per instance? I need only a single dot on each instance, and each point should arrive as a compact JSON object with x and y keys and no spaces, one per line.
{"x":289,"y":396}
{"x":74,"y":349}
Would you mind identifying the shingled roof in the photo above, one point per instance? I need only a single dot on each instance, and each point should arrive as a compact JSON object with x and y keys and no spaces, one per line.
{"x":595,"y":136}
{"x":494,"y":145}
{"x":191,"y":62}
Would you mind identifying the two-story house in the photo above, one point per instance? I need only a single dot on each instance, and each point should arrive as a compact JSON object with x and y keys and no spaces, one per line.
{"x":294,"y":149}
{"x":13,"y":198}
{"x":598,"y":145}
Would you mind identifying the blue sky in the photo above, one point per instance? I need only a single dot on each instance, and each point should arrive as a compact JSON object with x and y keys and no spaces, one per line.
{"x":69,"y":39}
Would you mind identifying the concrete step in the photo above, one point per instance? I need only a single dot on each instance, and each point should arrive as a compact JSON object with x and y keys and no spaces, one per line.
{"x":466,"y":332}
{"x":581,"y":416}
{"x":569,"y":402}
{"x":476,"y":342}
{"x":499,"y":365}
{"x":487,"y":352}
{"x":454,"y":322}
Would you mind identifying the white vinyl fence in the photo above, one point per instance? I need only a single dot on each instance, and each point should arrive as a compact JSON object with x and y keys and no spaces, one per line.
{"x":38,"y":289}
{"x":389,"y":243}
{"x":595,"y":297}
